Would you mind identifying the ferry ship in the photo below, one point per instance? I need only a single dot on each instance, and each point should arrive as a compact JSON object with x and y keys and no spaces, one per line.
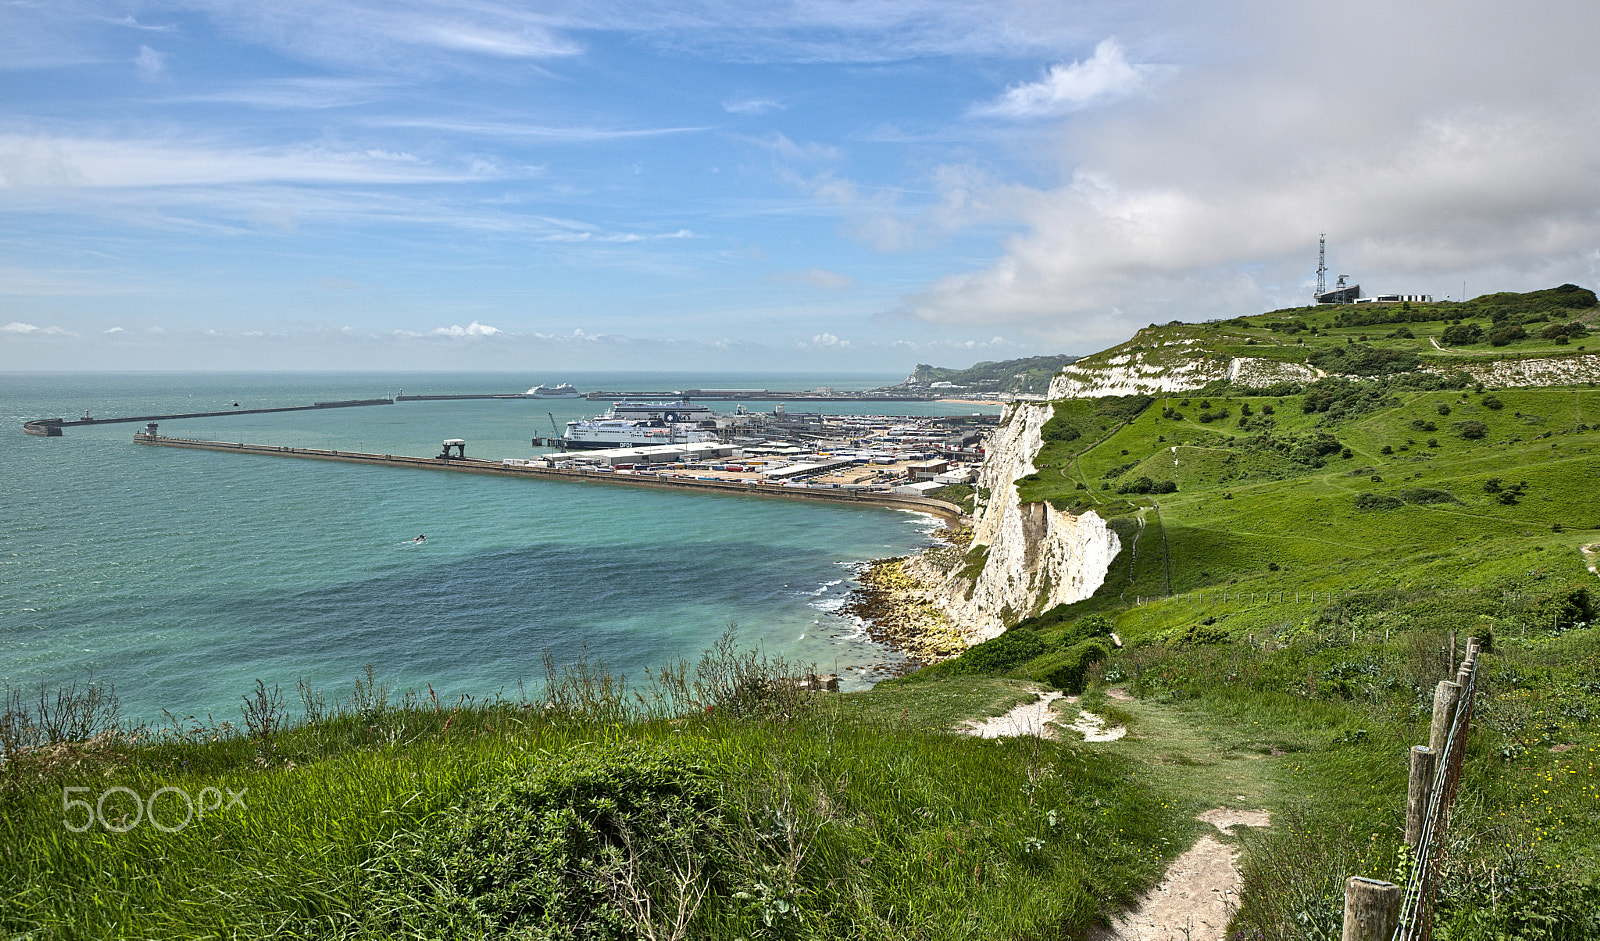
{"x":631,"y":424}
{"x":563,"y":391}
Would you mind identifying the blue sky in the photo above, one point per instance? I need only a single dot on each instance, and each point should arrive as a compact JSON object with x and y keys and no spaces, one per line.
{"x":349,"y":184}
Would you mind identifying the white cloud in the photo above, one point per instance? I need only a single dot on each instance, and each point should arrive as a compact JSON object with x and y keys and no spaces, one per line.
{"x":787,"y":149}
{"x":1108,"y":74}
{"x":150,"y":63}
{"x":830,"y":341}
{"x":751,"y":106}
{"x":473,"y":329}
{"x":817,"y":278}
{"x":1424,"y":164}
{"x":403,"y":35}
{"x":31,"y":161}
{"x":113,"y":330}
{"x":19,"y":327}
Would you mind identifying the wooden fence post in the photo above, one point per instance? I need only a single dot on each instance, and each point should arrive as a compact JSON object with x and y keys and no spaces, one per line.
{"x":1445,"y":698}
{"x":1371,"y":909}
{"x":1423,"y":760}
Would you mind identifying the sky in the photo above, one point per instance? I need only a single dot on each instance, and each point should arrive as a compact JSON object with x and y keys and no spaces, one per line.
{"x":772,"y":185}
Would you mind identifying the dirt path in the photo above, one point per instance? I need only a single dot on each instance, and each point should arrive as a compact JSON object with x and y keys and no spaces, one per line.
{"x":1039,"y":718}
{"x":1228,"y":769}
{"x":1030,"y":718}
{"x":1193,"y":756}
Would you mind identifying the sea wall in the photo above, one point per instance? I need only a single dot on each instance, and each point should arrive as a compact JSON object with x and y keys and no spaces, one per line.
{"x":1167,"y":367}
{"x":1032,"y":556}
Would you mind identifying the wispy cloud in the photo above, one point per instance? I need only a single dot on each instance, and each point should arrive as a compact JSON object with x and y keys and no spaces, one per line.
{"x":554,"y":134}
{"x":817,"y":278}
{"x":751,"y":106}
{"x":43,"y":161}
{"x":401,"y":35}
{"x":786,"y":149}
{"x":150,"y":63}
{"x":311,"y":93}
{"x":19,"y":327}
{"x":593,"y":236}
{"x":1105,"y":75}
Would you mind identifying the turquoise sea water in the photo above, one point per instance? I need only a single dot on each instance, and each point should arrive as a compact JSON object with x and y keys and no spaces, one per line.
{"x":183,"y":576}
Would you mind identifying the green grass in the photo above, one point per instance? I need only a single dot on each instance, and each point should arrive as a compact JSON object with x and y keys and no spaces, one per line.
{"x":814,"y":816}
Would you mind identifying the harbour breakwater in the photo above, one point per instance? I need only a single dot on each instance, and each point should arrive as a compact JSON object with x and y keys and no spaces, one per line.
{"x":51,"y":427}
{"x":940,"y":508}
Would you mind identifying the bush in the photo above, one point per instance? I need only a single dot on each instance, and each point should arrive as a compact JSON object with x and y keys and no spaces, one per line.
{"x":552,"y":851}
{"x":1505,"y":335}
{"x":1364,"y":360}
{"x":1065,"y":670}
{"x":1493,"y":403}
{"x":1377,"y":501}
{"x":1564,"y":331}
{"x":1001,"y":653}
{"x":1426,"y":495}
{"x":1471,"y":430}
{"x":1462,"y":334}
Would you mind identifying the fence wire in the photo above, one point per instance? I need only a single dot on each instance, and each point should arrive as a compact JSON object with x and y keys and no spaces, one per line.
{"x":1416,"y":906}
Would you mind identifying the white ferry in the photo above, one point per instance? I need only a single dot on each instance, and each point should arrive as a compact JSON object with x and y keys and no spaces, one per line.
{"x":563,"y":391}
{"x":630,"y":424}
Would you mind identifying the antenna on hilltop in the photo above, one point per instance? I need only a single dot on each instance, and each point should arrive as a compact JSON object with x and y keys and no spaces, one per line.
{"x":1322,"y":263}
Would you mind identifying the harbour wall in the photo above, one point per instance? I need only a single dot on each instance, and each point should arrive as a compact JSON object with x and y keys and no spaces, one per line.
{"x":941,"y":508}
{"x":51,"y":427}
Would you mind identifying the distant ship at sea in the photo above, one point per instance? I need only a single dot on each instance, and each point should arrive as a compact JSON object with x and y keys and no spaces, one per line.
{"x":562,"y":391}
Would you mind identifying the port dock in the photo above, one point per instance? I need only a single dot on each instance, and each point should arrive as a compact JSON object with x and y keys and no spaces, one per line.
{"x":524,"y":470}
{"x":51,"y":427}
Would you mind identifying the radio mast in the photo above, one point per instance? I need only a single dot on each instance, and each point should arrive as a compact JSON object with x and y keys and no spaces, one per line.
{"x":1322,"y":263}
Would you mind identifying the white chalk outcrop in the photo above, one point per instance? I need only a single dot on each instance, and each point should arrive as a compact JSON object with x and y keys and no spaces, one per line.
{"x":1038,"y":556}
{"x":1541,"y":371}
{"x":1157,"y":367}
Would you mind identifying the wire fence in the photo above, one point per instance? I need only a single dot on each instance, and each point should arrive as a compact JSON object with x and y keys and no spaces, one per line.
{"x":1382,"y":911}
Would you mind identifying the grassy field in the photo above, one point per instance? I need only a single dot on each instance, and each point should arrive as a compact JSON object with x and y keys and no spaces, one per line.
{"x":724,"y":804}
{"x":1297,"y":564}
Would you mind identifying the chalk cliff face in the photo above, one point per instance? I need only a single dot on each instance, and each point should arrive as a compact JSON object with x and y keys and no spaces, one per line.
{"x":1155,"y":367}
{"x":1037,"y":556}
{"x":1542,"y":371}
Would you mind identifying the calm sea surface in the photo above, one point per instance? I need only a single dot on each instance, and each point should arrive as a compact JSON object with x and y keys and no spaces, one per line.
{"x":183,"y":576}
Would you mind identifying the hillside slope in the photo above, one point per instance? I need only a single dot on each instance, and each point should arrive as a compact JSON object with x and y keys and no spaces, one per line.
{"x":1312,"y":509}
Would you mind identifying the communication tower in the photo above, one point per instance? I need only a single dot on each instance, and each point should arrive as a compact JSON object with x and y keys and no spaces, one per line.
{"x":1322,"y":263}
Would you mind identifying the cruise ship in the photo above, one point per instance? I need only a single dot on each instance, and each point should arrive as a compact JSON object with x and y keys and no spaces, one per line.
{"x":563,"y":391}
{"x":630,"y":424}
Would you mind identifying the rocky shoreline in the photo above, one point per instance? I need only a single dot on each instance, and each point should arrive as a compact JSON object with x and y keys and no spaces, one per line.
{"x":901,"y":612}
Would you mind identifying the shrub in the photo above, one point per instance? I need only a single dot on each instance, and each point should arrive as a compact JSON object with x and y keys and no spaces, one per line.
{"x":1471,"y":429}
{"x":1364,"y":360}
{"x":1564,"y":331}
{"x":1065,"y":670}
{"x":1505,"y":335}
{"x":1427,"y":495}
{"x":551,"y":851}
{"x":1377,"y":501}
{"x":1491,"y":402}
{"x":1001,"y":653}
{"x":1463,"y":334}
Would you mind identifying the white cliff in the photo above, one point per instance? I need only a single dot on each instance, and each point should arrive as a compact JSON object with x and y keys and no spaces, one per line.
{"x":1540,"y":371}
{"x":1155,"y":366}
{"x":1037,"y":556}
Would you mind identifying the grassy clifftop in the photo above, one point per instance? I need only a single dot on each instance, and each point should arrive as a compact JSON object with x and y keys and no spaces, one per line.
{"x":1299,"y":560}
{"x":1365,"y":340}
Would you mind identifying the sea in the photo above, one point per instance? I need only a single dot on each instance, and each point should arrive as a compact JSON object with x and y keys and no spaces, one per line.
{"x":181,"y":577}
